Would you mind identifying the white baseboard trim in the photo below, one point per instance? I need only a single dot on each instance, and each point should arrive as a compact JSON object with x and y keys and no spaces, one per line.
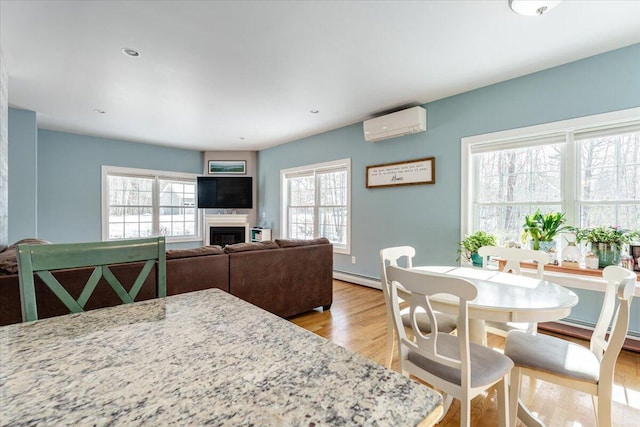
{"x":357,"y":279}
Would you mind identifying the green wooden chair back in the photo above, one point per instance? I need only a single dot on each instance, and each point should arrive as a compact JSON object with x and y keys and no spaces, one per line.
{"x":42,"y":259}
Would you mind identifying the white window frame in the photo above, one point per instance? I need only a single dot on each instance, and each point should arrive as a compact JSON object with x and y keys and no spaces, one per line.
{"x":155,"y":175}
{"x":509,"y":139}
{"x":314,"y":168}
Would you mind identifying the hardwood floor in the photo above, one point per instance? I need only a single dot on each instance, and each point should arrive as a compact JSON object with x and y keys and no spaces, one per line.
{"x":357,"y":321}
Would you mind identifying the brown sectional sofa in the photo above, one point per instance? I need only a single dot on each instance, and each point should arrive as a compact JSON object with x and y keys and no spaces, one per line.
{"x":286,"y":277}
{"x":196,"y":269}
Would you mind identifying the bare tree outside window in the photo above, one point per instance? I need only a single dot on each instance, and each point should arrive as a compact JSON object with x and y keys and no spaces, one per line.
{"x":510,"y":183}
{"x":514,"y":183}
{"x":130,"y":207}
{"x":144,"y":206}
{"x":610,"y":177}
{"x":317,"y":203}
{"x":177,"y":208}
{"x":301,"y":219}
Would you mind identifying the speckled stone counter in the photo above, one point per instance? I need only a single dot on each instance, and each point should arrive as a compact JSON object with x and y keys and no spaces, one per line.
{"x":192,"y":359}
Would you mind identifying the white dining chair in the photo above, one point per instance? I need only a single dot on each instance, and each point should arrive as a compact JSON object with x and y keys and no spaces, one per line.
{"x":395,"y":256}
{"x":459,"y":368}
{"x":561,"y":362}
{"x":513,"y":258}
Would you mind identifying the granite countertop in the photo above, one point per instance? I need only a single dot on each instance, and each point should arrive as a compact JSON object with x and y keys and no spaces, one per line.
{"x":198,"y":358}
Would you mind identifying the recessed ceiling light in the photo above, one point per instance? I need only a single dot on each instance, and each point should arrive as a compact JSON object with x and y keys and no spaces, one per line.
{"x":314,"y":111}
{"x":130,"y":52}
{"x":532,"y":7}
{"x":99,"y":111}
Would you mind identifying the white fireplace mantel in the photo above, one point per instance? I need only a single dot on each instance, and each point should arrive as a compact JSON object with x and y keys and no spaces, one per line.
{"x":225,"y":220}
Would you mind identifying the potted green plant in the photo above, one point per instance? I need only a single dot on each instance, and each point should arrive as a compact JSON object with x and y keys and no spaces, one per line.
{"x":471,"y":243}
{"x":606,"y":242}
{"x":543,"y":228}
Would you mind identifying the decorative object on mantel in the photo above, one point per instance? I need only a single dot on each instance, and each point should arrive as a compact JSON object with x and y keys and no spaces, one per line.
{"x":470,"y":245}
{"x":606,"y":242}
{"x":542,"y":229}
{"x":410,"y":172}
{"x":227,"y":167}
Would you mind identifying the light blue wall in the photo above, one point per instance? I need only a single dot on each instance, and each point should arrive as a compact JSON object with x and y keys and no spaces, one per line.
{"x":428,"y":216}
{"x":23,"y":146}
{"x":69,"y":174}
{"x":588,"y":308}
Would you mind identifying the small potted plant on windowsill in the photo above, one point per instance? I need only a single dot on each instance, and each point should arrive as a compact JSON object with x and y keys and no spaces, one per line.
{"x":543,"y":228}
{"x":606,"y":242}
{"x":471,"y":243}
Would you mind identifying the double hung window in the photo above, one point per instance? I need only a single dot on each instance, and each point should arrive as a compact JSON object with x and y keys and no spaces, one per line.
{"x":143,"y":203}
{"x":609,"y":173}
{"x":316,"y":203}
{"x":588,"y":168}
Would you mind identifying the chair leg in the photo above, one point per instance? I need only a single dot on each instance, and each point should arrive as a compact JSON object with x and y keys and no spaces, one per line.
{"x":391,"y":341}
{"x":603,"y":405}
{"x":514,"y":393}
{"x":532,"y":385}
{"x":447,"y":399}
{"x":533,"y":329}
{"x":465,"y":412}
{"x":503,"y":403}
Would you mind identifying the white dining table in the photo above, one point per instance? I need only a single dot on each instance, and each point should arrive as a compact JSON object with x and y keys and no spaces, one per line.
{"x":506,"y":297}
{"x":199,"y":358}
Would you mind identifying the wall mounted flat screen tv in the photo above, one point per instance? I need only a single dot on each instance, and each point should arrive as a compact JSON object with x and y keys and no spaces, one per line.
{"x":225,"y":192}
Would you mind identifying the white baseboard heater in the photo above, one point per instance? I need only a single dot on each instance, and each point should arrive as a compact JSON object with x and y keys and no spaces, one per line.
{"x":357,"y":279}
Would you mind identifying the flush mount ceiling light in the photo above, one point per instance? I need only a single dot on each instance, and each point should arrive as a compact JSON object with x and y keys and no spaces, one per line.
{"x":99,"y":111}
{"x":314,"y":111}
{"x":532,"y":7}
{"x":130,"y":52}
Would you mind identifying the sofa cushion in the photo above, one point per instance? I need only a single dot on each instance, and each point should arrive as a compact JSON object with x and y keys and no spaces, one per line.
{"x":289,"y":243}
{"x":8,"y":262}
{"x":188,"y":253}
{"x":256,"y":246}
{"x":9,"y":257}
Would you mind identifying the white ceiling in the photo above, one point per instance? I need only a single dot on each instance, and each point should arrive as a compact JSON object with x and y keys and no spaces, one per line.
{"x":212,"y":73}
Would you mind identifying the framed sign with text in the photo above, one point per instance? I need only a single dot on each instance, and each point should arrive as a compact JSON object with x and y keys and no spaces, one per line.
{"x":410,"y":172}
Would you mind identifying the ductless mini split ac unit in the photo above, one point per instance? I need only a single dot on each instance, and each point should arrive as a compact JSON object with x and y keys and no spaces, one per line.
{"x":404,"y":122}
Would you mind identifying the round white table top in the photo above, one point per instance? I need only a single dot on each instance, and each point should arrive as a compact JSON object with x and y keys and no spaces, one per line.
{"x":506,"y":297}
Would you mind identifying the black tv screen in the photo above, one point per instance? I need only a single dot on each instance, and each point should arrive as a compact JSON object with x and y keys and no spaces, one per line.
{"x":225,"y":192}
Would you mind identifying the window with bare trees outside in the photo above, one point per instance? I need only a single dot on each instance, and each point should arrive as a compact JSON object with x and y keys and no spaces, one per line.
{"x":316,"y":203}
{"x":609,"y":165}
{"x":588,"y":168}
{"x":142,"y":203}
